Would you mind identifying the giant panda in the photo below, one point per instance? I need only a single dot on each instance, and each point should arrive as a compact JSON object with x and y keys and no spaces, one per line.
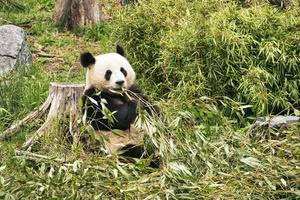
{"x":110,"y":86}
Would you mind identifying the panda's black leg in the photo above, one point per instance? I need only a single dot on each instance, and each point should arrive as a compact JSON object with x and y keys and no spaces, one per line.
{"x":138,"y":151}
{"x":155,"y":163}
{"x":133,"y":151}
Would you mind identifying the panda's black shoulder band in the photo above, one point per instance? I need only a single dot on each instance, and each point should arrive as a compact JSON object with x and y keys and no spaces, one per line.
{"x":90,"y":92}
{"x":87,"y":59}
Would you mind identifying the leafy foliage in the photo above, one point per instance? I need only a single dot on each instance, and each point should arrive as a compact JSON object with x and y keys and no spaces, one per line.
{"x":218,"y":49}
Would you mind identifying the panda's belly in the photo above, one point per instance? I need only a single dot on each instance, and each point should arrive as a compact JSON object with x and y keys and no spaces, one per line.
{"x":114,"y":142}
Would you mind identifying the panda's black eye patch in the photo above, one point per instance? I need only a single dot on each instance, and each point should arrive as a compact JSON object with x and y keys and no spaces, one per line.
{"x":124,"y":71}
{"x":107,"y":75}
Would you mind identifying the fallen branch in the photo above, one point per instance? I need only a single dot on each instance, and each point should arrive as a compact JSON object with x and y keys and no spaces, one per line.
{"x":45,"y":55}
{"x":38,"y":156}
{"x":35,"y":156}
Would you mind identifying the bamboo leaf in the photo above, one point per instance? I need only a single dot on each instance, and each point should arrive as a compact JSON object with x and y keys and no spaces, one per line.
{"x":252,"y":162}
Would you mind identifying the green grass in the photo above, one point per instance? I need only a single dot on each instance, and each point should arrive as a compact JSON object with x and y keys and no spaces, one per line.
{"x":11,"y":5}
{"x":213,"y":67}
{"x":20,"y":93}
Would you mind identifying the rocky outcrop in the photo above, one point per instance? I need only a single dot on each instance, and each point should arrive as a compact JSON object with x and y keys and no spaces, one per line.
{"x":14,"y":51}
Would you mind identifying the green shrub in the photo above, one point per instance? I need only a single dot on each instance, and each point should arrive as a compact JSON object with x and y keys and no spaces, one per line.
{"x":216,"y":48}
{"x":98,"y":32}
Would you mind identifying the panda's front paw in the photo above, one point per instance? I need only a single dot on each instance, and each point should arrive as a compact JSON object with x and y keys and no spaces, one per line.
{"x":132,"y":103}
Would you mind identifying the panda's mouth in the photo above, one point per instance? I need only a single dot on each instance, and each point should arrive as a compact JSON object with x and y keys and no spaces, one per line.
{"x":117,"y":90}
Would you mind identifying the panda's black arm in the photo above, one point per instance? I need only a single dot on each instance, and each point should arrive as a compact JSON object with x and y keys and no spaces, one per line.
{"x":144,"y":100}
{"x":87,"y":93}
{"x":93,"y":110}
{"x":125,"y":110}
{"x":125,"y":115}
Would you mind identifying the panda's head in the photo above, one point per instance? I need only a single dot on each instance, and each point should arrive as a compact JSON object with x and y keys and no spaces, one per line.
{"x":108,"y":71}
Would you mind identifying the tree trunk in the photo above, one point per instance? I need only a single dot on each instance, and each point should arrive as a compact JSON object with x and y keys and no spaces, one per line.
{"x":74,"y":13}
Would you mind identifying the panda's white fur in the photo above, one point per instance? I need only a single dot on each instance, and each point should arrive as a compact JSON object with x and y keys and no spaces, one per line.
{"x":113,"y":62}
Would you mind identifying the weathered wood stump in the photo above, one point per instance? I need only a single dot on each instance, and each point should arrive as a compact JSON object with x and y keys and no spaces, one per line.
{"x":63,"y":100}
{"x":74,"y":13}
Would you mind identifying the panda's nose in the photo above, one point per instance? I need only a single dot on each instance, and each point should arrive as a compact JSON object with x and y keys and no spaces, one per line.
{"x":120,"y":83}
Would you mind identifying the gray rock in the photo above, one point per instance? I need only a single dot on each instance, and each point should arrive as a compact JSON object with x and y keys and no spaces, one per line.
{"x":276,"y":121}
{"x":14,"y":51}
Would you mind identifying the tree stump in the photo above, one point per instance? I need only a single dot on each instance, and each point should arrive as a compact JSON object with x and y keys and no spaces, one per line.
{"x":74,"y":13}
{"x":63,"y":100}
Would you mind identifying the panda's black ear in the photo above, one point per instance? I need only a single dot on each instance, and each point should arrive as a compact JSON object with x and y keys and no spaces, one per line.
{"x":87,"y":59}
{"x":120,"y":50}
